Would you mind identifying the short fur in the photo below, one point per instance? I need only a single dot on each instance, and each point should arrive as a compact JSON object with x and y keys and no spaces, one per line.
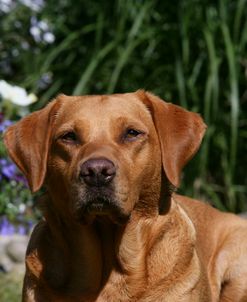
{"x":132,"y":239}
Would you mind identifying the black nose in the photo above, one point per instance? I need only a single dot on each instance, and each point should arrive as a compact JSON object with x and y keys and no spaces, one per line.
{"x":97,"y":171}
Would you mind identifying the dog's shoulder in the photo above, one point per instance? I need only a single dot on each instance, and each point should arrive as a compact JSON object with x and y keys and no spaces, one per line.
{"x":203,"y":214}
{"x":214,"y":228}
{"x":221,"y":241}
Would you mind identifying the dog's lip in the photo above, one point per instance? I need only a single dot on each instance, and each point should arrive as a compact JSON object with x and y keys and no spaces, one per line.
{"x":98,"y":206}
{"x":99,"y":209}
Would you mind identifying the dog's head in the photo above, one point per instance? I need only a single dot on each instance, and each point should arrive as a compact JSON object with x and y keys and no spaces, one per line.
{"x":103,"y":155}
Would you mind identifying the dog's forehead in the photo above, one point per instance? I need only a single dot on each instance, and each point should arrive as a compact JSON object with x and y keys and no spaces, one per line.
{"x":103,"y":107}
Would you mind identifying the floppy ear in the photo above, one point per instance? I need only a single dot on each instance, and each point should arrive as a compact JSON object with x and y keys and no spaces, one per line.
{"x":180,"y":134}
{"x":28,"y":141}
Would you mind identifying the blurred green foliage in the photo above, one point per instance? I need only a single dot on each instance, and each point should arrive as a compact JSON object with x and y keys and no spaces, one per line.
{"x":192,"y":53}
{"x":10,"y":287}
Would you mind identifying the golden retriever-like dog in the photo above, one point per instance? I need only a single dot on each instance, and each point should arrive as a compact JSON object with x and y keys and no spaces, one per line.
{"x":113,"y":228}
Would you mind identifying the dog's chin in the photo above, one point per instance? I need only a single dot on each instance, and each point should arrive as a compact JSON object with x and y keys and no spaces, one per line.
{"x":100,"y":208}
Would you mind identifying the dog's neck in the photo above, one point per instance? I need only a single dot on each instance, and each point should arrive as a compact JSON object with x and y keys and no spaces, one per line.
{"x":96,"y":254}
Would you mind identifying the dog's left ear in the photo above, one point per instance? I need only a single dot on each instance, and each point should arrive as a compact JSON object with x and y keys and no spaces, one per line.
{"x":180,"y":134}
{"x":28,"y":141}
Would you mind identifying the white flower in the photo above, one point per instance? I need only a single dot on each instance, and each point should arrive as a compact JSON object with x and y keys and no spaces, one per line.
{"x":5,"y":6}
{"x":43,"y":25}
{"x":36,"y":33}
{"x":22,"y":208}
{"x":32,"y":98}
{"x":4,"y":89}
{"x":49,"y":37}
{"x":16,"y":94}
{"x":40,"y":31}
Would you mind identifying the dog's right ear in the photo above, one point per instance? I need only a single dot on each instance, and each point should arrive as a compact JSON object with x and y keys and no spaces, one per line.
{"x":28,"y":142}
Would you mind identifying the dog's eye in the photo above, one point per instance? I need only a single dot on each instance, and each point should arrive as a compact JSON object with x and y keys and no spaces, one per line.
{"x":132,"y":134}
{"x":69,"y":137}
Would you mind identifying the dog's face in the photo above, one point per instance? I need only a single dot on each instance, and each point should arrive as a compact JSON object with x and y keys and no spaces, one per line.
{"x":103,"y":155}
{"x":104,"y":152}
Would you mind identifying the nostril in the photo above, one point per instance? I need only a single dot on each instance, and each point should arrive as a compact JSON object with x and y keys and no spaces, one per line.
{"x":86,"y":170}
{"x":89,"y":172}
{"x":108,"y":171}
{"x":97,"y":172}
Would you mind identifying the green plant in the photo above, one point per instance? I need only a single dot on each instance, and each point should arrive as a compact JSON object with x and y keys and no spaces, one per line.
{"x":15,"y":197}
{"x":10,"y":287}
{"x":192,"y":53}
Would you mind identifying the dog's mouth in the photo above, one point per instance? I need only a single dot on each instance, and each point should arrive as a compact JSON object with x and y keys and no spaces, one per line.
{"x":99,"y":206}
{"x":96,"y":206}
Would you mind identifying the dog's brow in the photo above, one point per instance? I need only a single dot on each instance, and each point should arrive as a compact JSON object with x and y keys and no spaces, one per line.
{"x":127,"y":122}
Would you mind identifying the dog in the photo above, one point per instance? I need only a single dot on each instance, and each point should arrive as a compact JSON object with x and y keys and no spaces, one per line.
{"x":113,"y":228}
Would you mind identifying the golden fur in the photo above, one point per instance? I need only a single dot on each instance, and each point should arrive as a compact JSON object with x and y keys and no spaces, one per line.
{"x":148,"y":244}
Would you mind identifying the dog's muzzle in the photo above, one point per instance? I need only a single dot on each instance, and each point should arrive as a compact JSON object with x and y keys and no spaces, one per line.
{"x":96,"y":176}
{"x":95,"y":192}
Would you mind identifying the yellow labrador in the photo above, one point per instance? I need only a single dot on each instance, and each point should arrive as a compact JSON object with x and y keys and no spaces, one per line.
{"x":113,"y":230}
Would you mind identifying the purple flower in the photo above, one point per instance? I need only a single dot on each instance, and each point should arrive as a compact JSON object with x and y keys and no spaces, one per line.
{"x":10,"y":171}
{"x":21,"y":230}
{"x":6,"y":228}
{"x":7,"y":169}
{"x":21,"y":178}
{"x":4,"y":124}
